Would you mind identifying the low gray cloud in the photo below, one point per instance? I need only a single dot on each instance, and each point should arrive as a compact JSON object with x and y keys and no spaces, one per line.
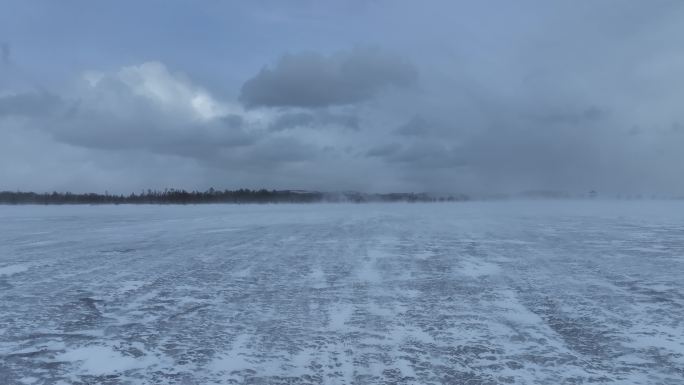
{"x":316,"y":119}
{"x":588,"y":115}
{"x":106,"y":132}
{"x":280,"y":150}
{"x":416,"y":126}
{"x":384,"y":150}
{"x":315,"y":80}
{"x":123,"y":112}
{"x":420,"y":154}
{"x":29,"y":104}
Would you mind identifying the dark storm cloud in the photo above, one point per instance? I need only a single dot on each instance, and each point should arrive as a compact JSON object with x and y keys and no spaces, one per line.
{"x":316,"y":119}
{"x":429,"y":155}
{"x":200,"y":141}
{"x":417,"y":126}
{"x":384,"y":150}
{"x":274,"y":151}
{"x":419,"y":155}
{"x":314,"y":80}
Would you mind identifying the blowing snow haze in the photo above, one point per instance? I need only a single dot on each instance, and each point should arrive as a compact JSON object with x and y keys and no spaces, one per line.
{"x":375,"y":96}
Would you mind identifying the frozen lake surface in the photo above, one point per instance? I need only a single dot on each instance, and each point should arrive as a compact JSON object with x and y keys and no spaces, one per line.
{"x":462,"y":293}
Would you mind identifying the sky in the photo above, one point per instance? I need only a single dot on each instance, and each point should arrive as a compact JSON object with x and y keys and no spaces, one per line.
{"x":375,"y":96}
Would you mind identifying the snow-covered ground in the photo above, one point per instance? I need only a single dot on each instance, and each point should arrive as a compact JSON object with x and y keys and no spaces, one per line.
{"x":460,"y":293}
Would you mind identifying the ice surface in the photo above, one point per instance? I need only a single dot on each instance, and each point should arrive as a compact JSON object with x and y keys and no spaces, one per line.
{"x":462,"y":293}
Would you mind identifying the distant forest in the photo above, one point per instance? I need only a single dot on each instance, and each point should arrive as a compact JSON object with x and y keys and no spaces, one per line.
{"x":173,"y":196}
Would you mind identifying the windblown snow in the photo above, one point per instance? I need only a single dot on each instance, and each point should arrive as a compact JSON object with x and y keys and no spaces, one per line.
{"x":454,"y":293}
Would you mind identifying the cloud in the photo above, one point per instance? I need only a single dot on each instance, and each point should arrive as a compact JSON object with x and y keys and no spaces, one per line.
{"x":317,"y":119}
{"x":5,"y":54}
{"x":417,"y":126}
{"x":154,"y":84}
{"x":279,"y":150}
{"x":384,"y":150}
{"x":148,"y":111}
{"x":140,"y":107}
{"x":459,"y":96}
{"x":587,"y":116}
{"x":313,"y":80}
{"x":29,"y":104}
{"x":420,"y":155}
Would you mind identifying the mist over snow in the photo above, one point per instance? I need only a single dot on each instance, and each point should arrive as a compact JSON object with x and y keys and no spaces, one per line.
{"x":439,"y":96}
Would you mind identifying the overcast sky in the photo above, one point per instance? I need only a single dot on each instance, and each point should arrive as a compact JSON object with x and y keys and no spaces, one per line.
{"x":439,"y":96}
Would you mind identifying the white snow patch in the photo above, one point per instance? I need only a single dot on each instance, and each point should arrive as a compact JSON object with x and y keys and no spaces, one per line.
{"x":367,"y":270}
{"x":130,"y":285}
{"x":425,"y":254}
{"x":102,"y":360}
{"x":405,"y":367}
{"x":14,"y":269}
{"x":233,"y":360}
{"x":477,"y":269}
{"x":317,"y":277}
{"x":340,"y":314}
{"x":224,"y":230}
{"x":230,"y":364}
{"x":242,"y":273}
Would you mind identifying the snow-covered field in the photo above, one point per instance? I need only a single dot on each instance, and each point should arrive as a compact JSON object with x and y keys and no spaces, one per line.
{"x":461,"y":293}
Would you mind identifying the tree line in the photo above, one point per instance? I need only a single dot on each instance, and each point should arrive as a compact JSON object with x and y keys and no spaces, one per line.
{"x":180,"y":196}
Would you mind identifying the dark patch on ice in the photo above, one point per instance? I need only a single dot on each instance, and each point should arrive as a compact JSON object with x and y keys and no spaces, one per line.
{"x":188,"y":310}
{"x":581,"y":334}
{"x":62,"y":336}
